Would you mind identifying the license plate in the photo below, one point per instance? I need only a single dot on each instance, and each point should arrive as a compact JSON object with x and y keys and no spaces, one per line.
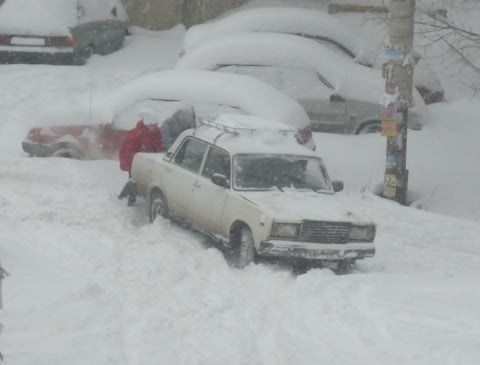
{"x":25,"y":41}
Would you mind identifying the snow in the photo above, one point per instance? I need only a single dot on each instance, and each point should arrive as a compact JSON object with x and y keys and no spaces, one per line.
{"x":276,"y":19}
{"x":92,"y":282}
{"x":33,"y":18}
{"x":249,"y":134}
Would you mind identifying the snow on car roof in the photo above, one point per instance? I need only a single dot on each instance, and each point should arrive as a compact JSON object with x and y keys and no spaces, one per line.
{"x":348,"y":78}
{"x":308,"y":22}
{"x":246,"y":93}
{"x":250,"y":134}
{"x":241,"y":122}
{"x":54,"y":17}
{"x":32,"y":17}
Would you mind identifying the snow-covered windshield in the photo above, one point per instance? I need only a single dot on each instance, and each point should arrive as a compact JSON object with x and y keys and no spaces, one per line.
{"x":263,"y":172}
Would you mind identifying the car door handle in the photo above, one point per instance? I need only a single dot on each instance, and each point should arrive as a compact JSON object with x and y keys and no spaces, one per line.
{"x":197,"y":184}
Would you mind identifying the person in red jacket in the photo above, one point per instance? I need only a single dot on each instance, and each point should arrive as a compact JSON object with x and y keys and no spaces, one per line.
{"x":145,"y":137}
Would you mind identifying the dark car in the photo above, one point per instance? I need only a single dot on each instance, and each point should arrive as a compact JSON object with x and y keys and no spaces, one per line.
{"x":60,"y":31}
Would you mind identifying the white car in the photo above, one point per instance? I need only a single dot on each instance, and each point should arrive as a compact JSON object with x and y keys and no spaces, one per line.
{"x":340,"y":96}
{"x":245,"y":182}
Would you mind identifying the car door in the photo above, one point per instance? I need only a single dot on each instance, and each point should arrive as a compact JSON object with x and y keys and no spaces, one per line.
{"x":326,"y":110}
{"x":365,"y":116}
{"x":183,"y":175}
{"x":207,"y":200}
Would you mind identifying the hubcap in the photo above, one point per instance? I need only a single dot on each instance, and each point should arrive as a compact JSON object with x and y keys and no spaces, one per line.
{"x":157,"y":208}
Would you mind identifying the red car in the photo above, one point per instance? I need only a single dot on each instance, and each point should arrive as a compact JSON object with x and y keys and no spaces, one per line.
{"x":162,"y":93}
{"x":80,"y":142}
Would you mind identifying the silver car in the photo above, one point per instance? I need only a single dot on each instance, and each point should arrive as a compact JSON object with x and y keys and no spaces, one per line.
{"x":329,"y":111}
{"x":339,"y":96}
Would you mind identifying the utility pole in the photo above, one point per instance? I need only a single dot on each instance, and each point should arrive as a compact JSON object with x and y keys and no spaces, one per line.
{"x":398,"y":72}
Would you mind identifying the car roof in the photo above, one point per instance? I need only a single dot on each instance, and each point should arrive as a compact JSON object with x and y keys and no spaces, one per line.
{"x":31,"y":17}
{"x":349,"y":79}
{"x":238,"y":133}
{"x":293,"y":20}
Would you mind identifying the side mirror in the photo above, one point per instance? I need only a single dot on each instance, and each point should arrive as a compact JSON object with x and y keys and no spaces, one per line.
{"x":335,"y":98}
{"x":337,"y":185}
{"x":220,"y":180}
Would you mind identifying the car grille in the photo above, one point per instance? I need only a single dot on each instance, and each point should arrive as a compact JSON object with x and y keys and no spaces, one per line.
{"x":325,"y":232}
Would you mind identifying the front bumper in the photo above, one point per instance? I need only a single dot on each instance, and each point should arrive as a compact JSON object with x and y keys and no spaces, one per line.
{"x":37,"y":57}
{"x":38,"y":149}
{"x":316,"y":251}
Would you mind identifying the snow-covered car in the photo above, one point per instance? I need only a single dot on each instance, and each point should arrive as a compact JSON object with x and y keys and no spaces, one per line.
{"x":60,"y":31}
{"x":340,"y":96}
{"x":265,"y":195}
{"x":305,"y":22}
{"x":329,"y":30}
{"x":96,"y":131}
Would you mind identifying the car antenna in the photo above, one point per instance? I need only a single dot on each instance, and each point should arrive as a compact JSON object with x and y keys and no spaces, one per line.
{"x":90,"y":99}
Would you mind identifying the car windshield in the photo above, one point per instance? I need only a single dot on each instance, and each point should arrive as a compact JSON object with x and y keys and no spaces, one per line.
{"x":264,"y":172}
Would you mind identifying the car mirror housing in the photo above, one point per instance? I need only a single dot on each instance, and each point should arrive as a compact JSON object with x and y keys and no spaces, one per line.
{"x":220,"y":180}
{"x":337,"y":185}
{"x":337,"y":98}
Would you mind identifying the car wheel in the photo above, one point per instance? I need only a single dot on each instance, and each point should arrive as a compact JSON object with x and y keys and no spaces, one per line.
{"x":67,"y":152}
{"x":157,"y":206}
{"x":369,"y":127}
{"x":245,"y":248}
{"x":344,"y":266}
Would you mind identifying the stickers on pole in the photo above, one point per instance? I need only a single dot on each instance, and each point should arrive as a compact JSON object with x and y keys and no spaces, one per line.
{"x":390,"y":88}
{"x":394,"y":53}
{"x":391,"y":161}
{"x":389,"y":115}
{"x":389,"y":128}
{"x":390,"y":186}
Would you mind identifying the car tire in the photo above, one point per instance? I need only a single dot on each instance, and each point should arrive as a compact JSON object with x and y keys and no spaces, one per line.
{"x":67,"y":152}
{"x":344,"y":266}
{"x":157,"y":206}
{"x":373,"y":126}
{"x":245,"y":248}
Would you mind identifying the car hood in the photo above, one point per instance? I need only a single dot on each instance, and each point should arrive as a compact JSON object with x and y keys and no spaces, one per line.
{"x":293,"y":206}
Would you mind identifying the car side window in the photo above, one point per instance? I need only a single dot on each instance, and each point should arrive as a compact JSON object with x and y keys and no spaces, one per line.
{"x":218,"y":161}
{"x":190,"y":155}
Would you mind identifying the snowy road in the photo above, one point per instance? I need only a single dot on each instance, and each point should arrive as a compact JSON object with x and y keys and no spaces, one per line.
{"x":94,"y":282}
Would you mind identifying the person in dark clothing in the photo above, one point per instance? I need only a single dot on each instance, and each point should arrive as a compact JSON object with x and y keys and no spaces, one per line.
{"x":145,"y":137}
{"x":171,"y":128}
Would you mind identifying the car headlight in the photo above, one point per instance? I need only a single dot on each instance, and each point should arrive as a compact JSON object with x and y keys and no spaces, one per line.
{"x":285,"y":230}
{"x":362,"y":233}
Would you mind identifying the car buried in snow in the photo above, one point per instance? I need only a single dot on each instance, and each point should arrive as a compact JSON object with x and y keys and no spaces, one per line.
{"x":329,"y":30}
{"x":97,"y":130}
{"x":339,"y":96}
{"x":266,"y":196}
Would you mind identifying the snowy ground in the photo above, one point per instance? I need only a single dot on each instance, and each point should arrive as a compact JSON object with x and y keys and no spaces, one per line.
{"x":93,"y":283}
